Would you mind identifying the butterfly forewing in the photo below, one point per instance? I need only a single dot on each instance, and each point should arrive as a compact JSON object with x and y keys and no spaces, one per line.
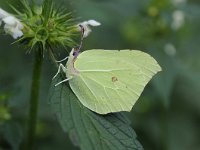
{"x":112,"y":81}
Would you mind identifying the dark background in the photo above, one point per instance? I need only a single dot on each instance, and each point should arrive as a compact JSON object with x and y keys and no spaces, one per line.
{"x":166,"y":116}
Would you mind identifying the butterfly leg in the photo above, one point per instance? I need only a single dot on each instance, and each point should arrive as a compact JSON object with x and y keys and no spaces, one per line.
{"x":63,"y":59}
{"x":63,"y":81}
{"x":59,"y":68}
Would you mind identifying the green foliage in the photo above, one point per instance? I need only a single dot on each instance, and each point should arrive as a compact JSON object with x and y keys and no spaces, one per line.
{"x":87,"y":129}
{"x":4,"y":110}
{"x":12,"y":133}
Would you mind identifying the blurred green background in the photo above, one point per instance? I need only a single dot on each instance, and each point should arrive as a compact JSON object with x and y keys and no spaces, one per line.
{"x":166,"y":116}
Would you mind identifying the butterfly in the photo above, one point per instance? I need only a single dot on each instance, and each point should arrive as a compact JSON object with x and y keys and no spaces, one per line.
{"x":107,"y":81}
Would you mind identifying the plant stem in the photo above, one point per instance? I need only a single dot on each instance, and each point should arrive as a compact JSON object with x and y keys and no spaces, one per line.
{"x":34,"y":100}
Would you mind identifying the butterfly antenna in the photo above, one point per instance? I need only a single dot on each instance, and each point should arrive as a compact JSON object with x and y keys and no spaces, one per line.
{"x":82,"y":37}
{"x":78,"y":49}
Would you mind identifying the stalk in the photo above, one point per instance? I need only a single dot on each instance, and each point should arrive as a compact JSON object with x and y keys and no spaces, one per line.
{"x":34,"y":100}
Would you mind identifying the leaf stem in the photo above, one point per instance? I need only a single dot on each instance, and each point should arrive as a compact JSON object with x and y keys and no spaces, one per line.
{"x":34,"y":100}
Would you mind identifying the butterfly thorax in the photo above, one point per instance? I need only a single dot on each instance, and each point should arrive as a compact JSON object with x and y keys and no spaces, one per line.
{"x":71,"y":70}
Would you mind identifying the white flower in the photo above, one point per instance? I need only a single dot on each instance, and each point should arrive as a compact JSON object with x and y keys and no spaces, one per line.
{"x":178,"y":19}
{"x":86,"y":25}
{"x":170,"y":49}
{"x":3,"y":13}
{"x":12,"y":25}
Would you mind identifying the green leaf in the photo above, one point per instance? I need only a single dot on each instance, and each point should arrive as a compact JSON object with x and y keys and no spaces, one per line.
{"x":87,"y":129}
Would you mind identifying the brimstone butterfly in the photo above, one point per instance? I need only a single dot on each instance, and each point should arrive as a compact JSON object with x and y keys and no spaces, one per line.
{"x":108,"y":81}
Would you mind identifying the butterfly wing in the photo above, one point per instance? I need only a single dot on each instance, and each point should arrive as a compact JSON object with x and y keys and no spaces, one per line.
{"x":111,"y":80}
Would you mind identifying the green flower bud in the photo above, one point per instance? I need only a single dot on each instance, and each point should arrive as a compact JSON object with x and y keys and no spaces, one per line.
{"x":46,"y":27}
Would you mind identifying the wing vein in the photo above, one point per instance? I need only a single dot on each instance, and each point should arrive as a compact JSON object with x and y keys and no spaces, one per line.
{"x":104,"y":70}
{"x":90,"y":91}
{"x":116,"y":90}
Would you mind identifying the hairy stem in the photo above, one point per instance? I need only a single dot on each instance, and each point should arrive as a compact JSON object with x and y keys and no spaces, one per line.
{"x":33,"y":110}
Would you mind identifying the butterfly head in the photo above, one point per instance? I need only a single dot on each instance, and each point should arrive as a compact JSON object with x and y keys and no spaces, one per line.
{"x":74,"y":53}
{"x":71,"y":60}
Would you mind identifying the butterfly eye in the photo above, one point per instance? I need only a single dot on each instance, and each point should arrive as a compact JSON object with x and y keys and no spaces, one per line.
{"x":74,"y":54}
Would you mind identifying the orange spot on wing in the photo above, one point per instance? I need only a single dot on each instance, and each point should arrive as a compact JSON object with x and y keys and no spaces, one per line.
{"x":114,"y":79}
